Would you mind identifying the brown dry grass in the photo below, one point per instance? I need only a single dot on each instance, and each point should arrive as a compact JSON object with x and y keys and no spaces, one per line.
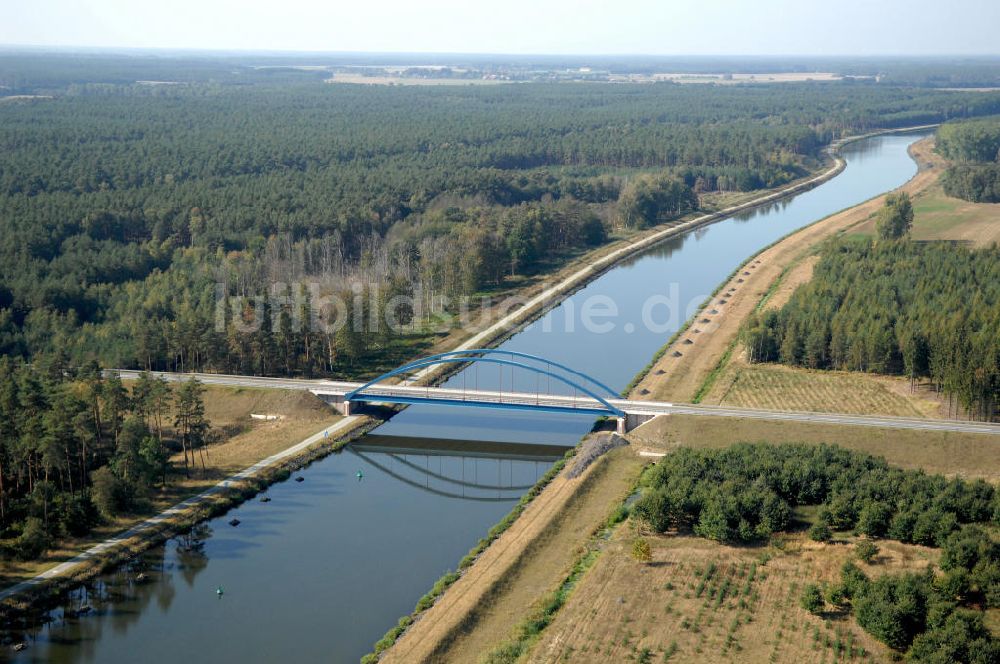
{"x":684,"y":376}
{"x":967,"y":455}
{"x":796,"y":275}
{"x":714,"y":603}
{"x":528,"y":560}
{"x":777,"y":387}
{"x":243,"y":443}
{"x":249,"y":441}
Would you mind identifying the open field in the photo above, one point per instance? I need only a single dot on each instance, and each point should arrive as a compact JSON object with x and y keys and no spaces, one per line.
{"x":493,"y":595}
{"x":702,"y":601}
{"x":340,"y":77}
{"x":778,"y":387}
{"x":730,"y":79}
{"x":242,"y":442}
{"x":937,"y":216}
{"x":963,"y":455}
{"x":247,"y":441}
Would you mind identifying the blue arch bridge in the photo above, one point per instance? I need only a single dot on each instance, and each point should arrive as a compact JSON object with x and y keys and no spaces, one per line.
{"x":557,"y":388}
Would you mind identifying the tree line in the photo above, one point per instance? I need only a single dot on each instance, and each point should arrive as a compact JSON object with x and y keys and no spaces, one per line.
{"x":77,"y":447}
{"x":122,"y":208}
{"x":920,"y":310}
{"x":975,"y":149}
{"x":745,"y":493}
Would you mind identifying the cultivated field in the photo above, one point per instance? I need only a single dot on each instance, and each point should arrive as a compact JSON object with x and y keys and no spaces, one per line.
{"x":360,"y":79}
{"x":777,"y":387}
{"x":730,"y":79}
{"x":701,"y":601}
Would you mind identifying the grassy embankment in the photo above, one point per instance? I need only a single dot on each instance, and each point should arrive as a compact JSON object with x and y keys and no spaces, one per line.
{"x":494,"y":595}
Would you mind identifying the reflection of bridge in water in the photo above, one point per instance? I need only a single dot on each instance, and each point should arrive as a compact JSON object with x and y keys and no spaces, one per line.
{"x":455,"y":468}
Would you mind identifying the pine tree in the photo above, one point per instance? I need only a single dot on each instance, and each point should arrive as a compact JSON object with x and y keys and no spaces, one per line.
{"x":190,"y":421}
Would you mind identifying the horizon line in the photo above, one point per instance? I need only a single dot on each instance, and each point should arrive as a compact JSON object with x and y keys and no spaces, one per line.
{"x":316,"y":52}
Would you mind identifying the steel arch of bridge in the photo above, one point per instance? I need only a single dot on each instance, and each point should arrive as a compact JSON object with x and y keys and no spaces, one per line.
{"x":527,"y":356}
{"x":602,"y":406}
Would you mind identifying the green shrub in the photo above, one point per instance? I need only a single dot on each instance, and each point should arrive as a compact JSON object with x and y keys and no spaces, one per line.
{"x":820,"y":532}
{"x":641,"y":550}
{"x":812,"y":599}
{"x":33,"y":541}
{"x":866,"y":550}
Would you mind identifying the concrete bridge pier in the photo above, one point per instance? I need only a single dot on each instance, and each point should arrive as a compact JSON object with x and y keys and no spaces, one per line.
{"x":342,"y":405}
{"x":631,"y":421}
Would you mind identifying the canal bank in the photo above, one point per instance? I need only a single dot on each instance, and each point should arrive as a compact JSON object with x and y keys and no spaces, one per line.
{"x":457,"y":629}
{"x":340,"y":539}
{"x":247,"y":483}
{"x":239,"y":487}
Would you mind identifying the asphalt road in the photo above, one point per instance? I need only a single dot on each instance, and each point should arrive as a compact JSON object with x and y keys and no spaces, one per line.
{"x":440,"y":394}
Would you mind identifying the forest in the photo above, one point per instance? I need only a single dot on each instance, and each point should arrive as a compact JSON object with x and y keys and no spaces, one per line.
{"x":127,"y":209}
{"x":745,"y":493}
{"x":78,"y":447}
{"x":927,"y":311}
{"x":974,"y":147}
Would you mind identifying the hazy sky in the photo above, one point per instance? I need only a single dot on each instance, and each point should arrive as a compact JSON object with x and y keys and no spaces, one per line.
{"x":823,"y":27}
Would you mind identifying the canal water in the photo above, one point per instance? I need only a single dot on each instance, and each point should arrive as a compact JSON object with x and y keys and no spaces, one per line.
{"x":320,"y":571}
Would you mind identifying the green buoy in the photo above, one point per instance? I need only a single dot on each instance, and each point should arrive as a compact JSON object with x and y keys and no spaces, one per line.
{"x":219,"y":591}
{"x":360,"y":475}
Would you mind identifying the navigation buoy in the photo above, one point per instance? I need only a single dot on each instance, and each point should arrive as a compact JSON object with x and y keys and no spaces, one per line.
{"x":219,"y":591}
{"x":360,"y":475}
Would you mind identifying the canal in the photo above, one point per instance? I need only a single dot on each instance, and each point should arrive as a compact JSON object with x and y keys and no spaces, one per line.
{"x":320,"y":571}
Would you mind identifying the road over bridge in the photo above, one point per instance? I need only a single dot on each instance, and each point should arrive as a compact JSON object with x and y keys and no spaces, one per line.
{"x":346,"y":395}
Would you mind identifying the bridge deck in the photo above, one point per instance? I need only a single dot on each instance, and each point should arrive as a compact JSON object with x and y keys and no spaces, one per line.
{"x":564,"y":403}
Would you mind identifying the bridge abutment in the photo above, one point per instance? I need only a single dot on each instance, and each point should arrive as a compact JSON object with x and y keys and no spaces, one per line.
{"x":631,"y":421}
{"x":342,"y":405}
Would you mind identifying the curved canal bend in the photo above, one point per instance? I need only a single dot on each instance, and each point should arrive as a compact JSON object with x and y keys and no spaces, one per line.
{"x":323,"y":569}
